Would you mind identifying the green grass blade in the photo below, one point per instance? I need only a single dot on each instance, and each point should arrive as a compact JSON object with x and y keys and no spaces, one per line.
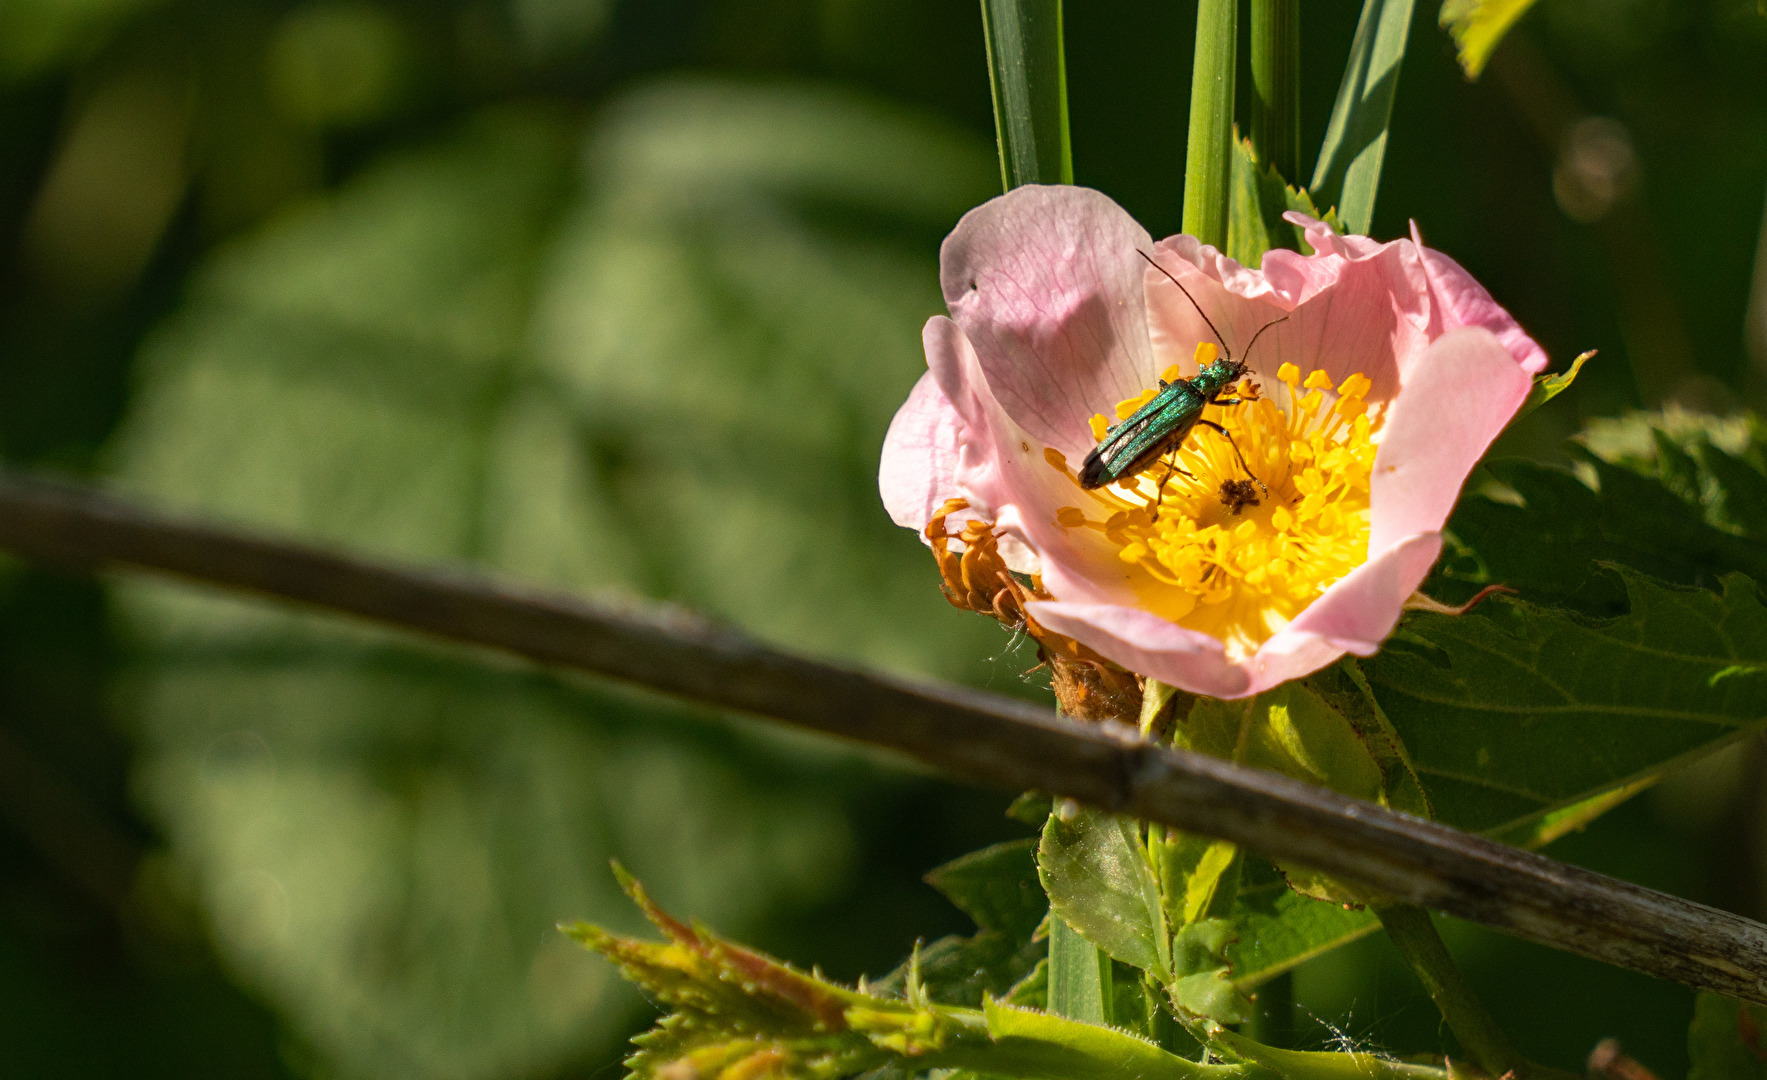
{"x":1276,"y":84}
{"x":1208,"y":165}
{"x":1080,"y":984}
{"x":1028,"y":72}
{"x":1348,"y":173}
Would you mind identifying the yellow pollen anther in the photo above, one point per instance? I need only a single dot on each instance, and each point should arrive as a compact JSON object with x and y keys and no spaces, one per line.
{"x":1238,"y":548}
{"x":1206,"y":353}
{"x":1056,"y":459}
{"x":1100,"y":426}
{"x":1126,"y":409}
{"x":1172,"y":374}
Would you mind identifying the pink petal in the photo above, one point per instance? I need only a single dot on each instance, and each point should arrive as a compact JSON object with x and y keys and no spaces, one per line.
{"x":1461,"y":301}
{"x":1460,"y":394}
{"x":1357,"y":613}
{"x":1354,"y":615}
{"x":1345,"y":315}
{"x":1003,"y":473}
{"x":1144,"y":643}
{"x":1047,"y":285}
{"x":918,"y":472}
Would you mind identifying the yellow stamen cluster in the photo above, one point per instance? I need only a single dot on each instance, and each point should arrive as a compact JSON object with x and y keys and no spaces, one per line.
{"x":1233,"y":555}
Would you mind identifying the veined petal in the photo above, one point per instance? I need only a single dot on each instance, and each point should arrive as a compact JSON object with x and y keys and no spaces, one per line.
{"x":1458,"y":300}
{"x":1148,"y":645}
{"x":1343,"y":315}
{"x":1461,"y":393}
{"x":1046,"y":283}
{"x":918,"y":470}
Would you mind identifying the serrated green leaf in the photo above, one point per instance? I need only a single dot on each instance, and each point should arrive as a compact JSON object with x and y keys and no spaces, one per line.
{"x":1280,"y":929}
{"x":1549,"y":532}
{"x":1258,"y":198}
{"x":1095,"y":871}
{"x":1477,"y":26}
{"x":1514,"y":711}
{"x":1725,"y":1042}
{"x":996,"y":886}
{"x":1202,"y":985}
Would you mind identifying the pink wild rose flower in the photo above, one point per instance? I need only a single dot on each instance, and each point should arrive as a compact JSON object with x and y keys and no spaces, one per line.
{"x":1244,"y":559}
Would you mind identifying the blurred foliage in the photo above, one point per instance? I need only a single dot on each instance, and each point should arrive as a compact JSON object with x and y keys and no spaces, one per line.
{"x":618,"y":297}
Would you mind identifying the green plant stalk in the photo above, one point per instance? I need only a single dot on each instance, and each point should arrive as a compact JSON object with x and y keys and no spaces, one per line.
{"x":1273,"y":1023}
{"x":1027,"y":69}
{"x":1421,"y":946}
{"x":1324,"y":1065}
{"x":1208,"y":165}
{"x":1080,"y":981}
{"x":1276,"y":85}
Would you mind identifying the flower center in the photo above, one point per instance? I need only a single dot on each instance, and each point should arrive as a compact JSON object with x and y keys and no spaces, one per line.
{"x":1236,"y":531}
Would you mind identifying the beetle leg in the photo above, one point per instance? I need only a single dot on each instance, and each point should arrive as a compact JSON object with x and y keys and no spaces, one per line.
{"x":1171,"y":469}
{"x":1237,"y":454}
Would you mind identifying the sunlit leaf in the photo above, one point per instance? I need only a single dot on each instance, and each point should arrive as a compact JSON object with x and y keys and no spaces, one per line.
{"x":1514,"y":711}
{"x":1478,"y":26}
{"x":1094,"y":869}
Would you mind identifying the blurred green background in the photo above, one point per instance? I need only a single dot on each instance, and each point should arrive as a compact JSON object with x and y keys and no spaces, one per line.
{"x":618,"y":296}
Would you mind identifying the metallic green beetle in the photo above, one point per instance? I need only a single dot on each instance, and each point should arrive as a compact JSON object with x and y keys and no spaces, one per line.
{"x":1162,"y":425}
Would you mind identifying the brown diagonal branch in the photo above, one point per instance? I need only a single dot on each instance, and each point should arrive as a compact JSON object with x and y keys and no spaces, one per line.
{"x":975,"y":735}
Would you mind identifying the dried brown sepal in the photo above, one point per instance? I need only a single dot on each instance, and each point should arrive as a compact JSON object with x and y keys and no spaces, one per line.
{"x":1087,"y":686}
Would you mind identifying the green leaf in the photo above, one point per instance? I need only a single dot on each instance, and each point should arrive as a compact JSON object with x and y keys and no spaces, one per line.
{"x":1191,"y":869}
{"x":1094,"y":868}
{"x":475,"y":352}
{"x":1279,"y":929}
{"x":1209,"y":153}
{"x":1259,"y":198}
{"x":1724,"y":1041}
{"x":1547,"y":387}
{"x":1028,"y":73}
{"x":1199,"y":962}
{"x":1347,"y":175}
{"x":996,"y":886}
{"x":1477,"y":26}
{"x":1513,"y":712}
{"x":1716,"y":464}
{"x":1546,"y":534}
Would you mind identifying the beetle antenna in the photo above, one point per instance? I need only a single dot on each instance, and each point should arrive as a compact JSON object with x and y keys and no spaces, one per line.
{"x":1192,"y":299}
{"x":1260,"y":333}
